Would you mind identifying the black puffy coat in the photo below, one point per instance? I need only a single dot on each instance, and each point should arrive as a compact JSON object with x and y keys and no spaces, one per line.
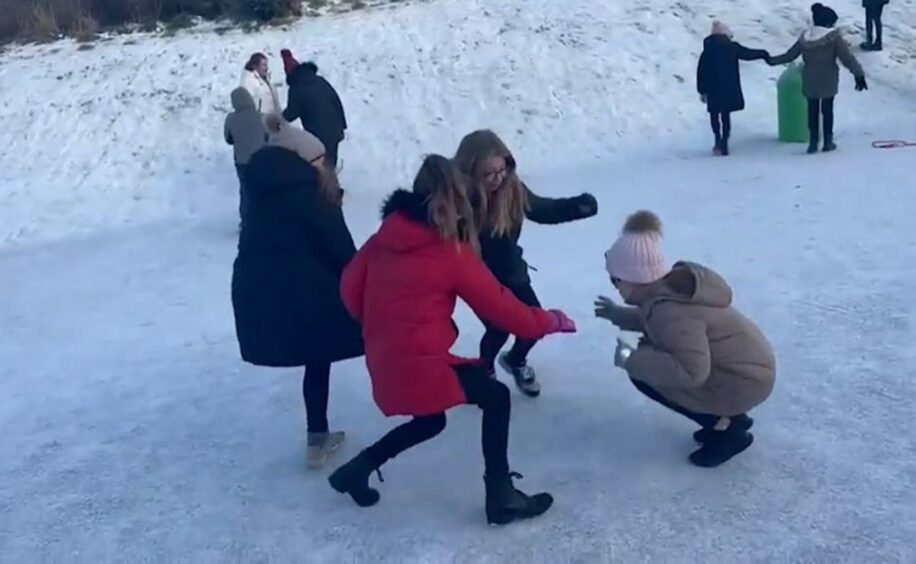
{"x":293,"y":247}
{"x":504,"y":256}
{"x":719,"y":75}
{"x":313,"y":100}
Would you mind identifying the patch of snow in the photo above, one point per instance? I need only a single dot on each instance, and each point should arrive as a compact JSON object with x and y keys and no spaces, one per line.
{"x":130,"y":132}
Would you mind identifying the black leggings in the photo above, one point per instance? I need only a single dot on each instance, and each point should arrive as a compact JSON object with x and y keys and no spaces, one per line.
{"x":494,"y":339}
{"x":721,"y":125}
{"x":873,"y":27}
{"x":316,"y":383}
{"x":490,"y":395}
{"x":705,"y":420}
{"x":815,"y":109}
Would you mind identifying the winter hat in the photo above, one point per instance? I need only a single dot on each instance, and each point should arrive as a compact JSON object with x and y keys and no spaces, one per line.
{"x":636,"y":256}
{"x":301,"y":142}
{"x":289,"y":62}
{"x":823,"y":16}
{"x":719,"y":28}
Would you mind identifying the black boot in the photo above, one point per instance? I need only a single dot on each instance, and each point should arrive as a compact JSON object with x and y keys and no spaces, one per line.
{"x":506,"y":504}
{"x":724,"y":146}
{"x":742,"y":422}
{"x":829,"y":145}
{"x":720,"y":447}
{"x":812,"y":146}
{"x":353,"y":478}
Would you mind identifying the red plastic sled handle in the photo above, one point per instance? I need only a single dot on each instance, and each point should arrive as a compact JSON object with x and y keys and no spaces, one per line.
{"x":892,"y":144}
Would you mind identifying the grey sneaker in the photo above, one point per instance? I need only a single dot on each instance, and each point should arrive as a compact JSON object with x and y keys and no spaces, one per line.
{"x":525,"y":377}
{"x":321,"y":446}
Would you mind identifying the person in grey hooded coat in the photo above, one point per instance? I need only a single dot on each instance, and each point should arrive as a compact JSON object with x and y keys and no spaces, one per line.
{"x":821,"y":47}
{"x":244,"y":130}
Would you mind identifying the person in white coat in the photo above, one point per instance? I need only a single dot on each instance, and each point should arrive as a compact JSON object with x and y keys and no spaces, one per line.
{"x":256,"y":80}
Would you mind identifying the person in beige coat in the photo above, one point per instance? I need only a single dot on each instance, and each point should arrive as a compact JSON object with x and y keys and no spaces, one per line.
{"x":821,"y":47}
{"x":698,"y":355}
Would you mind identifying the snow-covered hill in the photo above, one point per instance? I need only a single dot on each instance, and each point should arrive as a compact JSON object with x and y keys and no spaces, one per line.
{"x":129,"y":132}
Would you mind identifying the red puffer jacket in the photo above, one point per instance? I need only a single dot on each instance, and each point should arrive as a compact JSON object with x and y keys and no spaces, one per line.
{"x":402,"y":287}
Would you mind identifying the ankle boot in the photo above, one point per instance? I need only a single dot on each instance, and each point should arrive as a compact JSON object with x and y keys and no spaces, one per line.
{"x":506,"y":504}
{"x":721,"y":446}
{"x":353,"y":478}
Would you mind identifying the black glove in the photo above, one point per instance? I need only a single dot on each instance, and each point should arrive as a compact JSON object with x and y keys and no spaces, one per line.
{"x":588,"y":205}
{"x":861,"y":84}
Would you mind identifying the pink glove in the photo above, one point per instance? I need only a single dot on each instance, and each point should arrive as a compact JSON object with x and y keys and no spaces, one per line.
{"x":560,"y":322}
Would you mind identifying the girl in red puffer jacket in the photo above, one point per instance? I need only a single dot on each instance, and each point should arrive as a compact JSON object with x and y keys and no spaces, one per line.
{"x":402,"y":286}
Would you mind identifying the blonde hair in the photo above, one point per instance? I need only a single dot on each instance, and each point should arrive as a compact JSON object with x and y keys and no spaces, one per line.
{"x":500,"y":212}
{"x":450,"y":210}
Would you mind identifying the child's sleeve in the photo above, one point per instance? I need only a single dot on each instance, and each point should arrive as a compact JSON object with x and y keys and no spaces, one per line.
{"x":226,"y":133}
{"x":679,"y":356}
{"x":551,"y":211}
{"x":789,"y":56}
{"x":745,"y":54}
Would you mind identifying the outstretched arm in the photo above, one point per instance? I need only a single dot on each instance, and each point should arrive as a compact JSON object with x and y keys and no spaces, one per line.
{"x":551,"y":211}
{"x":789,"y":56}
{"x":745,"y":54}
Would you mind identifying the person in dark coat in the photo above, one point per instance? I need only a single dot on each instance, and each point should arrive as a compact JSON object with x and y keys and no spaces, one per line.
{"x":874,"y":28}
{"x":502,"y":203}
{"x":313,"y":100}
{"x":293,"y":247}
{"x":403,"y":285}
{"x":719,"y":80}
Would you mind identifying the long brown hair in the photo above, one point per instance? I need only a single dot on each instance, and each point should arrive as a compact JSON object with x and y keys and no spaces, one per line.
{"x":503,"y":211}
{"x":450,"y":210}
{"x":254,"y":61}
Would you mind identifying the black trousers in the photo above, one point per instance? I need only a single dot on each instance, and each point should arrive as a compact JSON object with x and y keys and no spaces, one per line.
{"x":721,"y":123}
{"x":873,"y":27}
{"x":494,"y":339}
{"x":316,"y":386}
{"x":490,"y":395}
{"x":816,"y":108}
{"x":705,"y":420}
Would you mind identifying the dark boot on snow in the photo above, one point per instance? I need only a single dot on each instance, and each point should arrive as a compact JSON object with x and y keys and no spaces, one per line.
{"x":742,"y":422}
{"x":506,"y":504}
{"x":724,"y":147}
{"x":353,"y":478}
{"x":525,"y":377}
{"x":717,"y":148}
{"x":829,"y":145}
{"x":720,"y":447}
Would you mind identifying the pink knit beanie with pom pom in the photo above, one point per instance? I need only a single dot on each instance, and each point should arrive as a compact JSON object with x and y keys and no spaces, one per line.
{"x":636,"y":256}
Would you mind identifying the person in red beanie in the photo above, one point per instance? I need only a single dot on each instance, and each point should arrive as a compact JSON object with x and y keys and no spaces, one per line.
{"x":289,"y":62}
{"x":313,"y":100}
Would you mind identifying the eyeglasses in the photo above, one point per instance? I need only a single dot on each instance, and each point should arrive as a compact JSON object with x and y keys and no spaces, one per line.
{"x":495,"y":174}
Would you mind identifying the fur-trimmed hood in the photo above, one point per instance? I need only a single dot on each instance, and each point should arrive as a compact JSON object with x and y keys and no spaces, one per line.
{"x":406,"y":225}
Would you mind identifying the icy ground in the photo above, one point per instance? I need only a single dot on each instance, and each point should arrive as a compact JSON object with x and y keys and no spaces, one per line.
{"x":133,"y":433}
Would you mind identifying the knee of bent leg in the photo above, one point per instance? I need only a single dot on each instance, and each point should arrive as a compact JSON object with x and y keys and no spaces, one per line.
{"x":434,"y":424}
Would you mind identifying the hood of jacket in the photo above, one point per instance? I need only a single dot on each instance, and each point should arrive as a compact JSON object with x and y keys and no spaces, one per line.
{"x":303,"y":71}
{"x":817,"y":36}
{"x":242,"y":100}
{"x":716,"y":40}
{"x":691,"y":283}
{"x":406,"y":224}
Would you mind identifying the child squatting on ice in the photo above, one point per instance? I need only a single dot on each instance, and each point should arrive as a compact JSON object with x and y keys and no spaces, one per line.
{"x":697,"y":355}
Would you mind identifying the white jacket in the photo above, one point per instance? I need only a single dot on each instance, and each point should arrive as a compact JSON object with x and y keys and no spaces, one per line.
{"x":262,"y":92}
